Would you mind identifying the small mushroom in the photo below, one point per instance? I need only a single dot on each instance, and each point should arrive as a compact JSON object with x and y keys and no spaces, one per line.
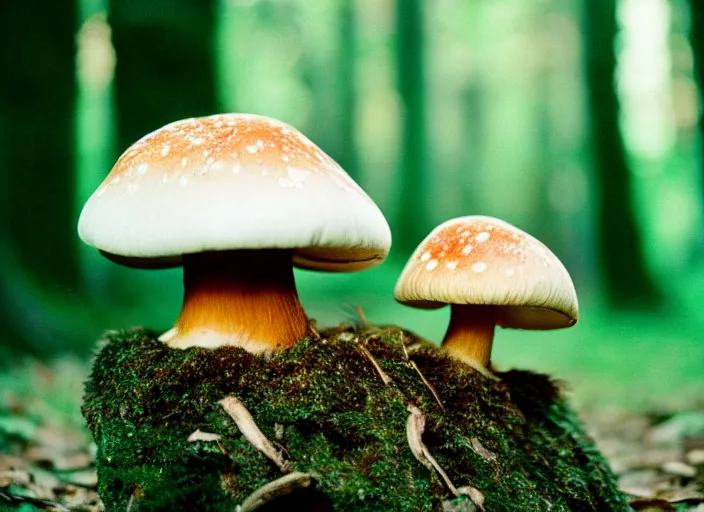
{"x":491,"y":273}
{"x":238,"y":200}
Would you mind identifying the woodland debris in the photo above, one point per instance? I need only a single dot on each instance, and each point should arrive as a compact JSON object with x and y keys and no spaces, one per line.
{"x":481,"y":451}
{"x":246,"y":424}
{"x":362,"y":317}
{"x":695,"y":457}
{"x":199,"y":435}
{"x":384,"y":377}
{"x":678,"y":468}
{"x":415,"y":426}
{"x":276,"y":488}
{"x":410,"y":362}
{"x":474,"y":494}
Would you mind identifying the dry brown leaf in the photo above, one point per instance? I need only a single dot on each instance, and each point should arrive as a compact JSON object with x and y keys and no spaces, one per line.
{"x":246,"y":424}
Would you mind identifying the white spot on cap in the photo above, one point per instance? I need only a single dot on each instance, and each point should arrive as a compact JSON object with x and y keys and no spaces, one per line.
{"x":284,"y":157}
{"x":217,"y":166}
{"x":467,"y":249}
{"x":425,"y":256}
{"x":197,"y":141}
{"x":284,"y":131}
{"x":184,"y":162}
{"x":431,"y":264}
{"x":183,"y":180}
{"x":165,"y":149}
{"x":479,"y":267}
{"x":451,"y":265}
{"x":285,"y":182}
{"x":509,"y":272}
{"x":252,"y":149}
{"x":260,"y":144}
{"x":142,"y":168}
{"x":115,"y":180}
{"x":297,"y":175}
{"x":482,"y":237}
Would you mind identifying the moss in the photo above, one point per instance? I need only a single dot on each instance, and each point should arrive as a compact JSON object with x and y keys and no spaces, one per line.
{"x":326,"y":405}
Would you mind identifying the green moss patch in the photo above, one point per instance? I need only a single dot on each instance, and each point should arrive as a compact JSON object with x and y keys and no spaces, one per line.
{"x":336,"y":407}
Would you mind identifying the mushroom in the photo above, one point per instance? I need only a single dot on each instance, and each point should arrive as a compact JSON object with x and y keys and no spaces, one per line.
{"x":491,"y":273}
{"x":238,"y":200}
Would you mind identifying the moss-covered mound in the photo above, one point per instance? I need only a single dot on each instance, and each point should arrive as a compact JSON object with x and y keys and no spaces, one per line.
{"x":335,"y":408}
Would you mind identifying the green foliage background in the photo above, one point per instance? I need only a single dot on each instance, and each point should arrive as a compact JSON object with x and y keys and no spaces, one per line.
{"x":575,"y":120}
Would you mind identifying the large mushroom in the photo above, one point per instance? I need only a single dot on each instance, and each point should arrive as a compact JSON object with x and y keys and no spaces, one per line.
{"x":238,"y":200}
{"x":491,"y":273}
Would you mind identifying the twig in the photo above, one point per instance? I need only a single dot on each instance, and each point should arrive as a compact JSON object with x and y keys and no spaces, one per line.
{"x":415,"y":426}
{"x":279,"y":487}
{"x":384,"y":377}
{"x":427,"y":384}
{"x":135,"y":495}
{"x":413,"y":365}
{"x":199,"y":435}
{"x":313,"y":328}
{"x":245,"y":423}
{"x":362,"y":316}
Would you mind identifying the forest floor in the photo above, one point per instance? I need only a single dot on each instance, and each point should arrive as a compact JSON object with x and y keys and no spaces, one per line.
{"x":47,"y":458}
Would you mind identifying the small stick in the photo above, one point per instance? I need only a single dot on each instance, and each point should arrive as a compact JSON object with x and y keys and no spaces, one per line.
{"x":239,"y":413}
{"x":415,"y":426}
{"x":135,"y":495}
{"x":413,"y":365}
{"x":362,"y":317}
{"x":279,"y":487}
{"x":427,"y":384}
{"x":199,"y":435}
{"x":313,"y":328}
{"x":384,"y":377}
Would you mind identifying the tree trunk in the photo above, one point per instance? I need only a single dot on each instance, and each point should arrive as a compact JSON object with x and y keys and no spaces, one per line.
{"x":165,"y":63}
{"x":626,"y":277}
{"x":37,"y":104}
{"x":347,"y":87}
{"x":696,"y":37}
{"x":412,"y":214}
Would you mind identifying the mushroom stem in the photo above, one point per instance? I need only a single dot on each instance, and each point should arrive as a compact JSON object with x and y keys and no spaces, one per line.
{"x":245,"y":298}
{"x":471,"y":334}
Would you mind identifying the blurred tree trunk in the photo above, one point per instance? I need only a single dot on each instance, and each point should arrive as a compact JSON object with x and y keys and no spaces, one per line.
{"x":626,"y":277}
{"x":347,"y":87}
{"x":38,"y":240}
{"x":37,"y":107}
{"x":165,"y":63}
{"x":412,"y":218}
{"x":696,"y":37}
{"x":473,"y":154}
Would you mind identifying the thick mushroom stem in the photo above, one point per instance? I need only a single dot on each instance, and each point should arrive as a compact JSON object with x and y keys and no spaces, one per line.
{"x":245,"y":298}
{"x":470,"y":335}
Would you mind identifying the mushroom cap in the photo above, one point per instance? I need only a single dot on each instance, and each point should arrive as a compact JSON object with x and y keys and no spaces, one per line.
{"x":485,"y":261}
{"x":232,"y":181}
